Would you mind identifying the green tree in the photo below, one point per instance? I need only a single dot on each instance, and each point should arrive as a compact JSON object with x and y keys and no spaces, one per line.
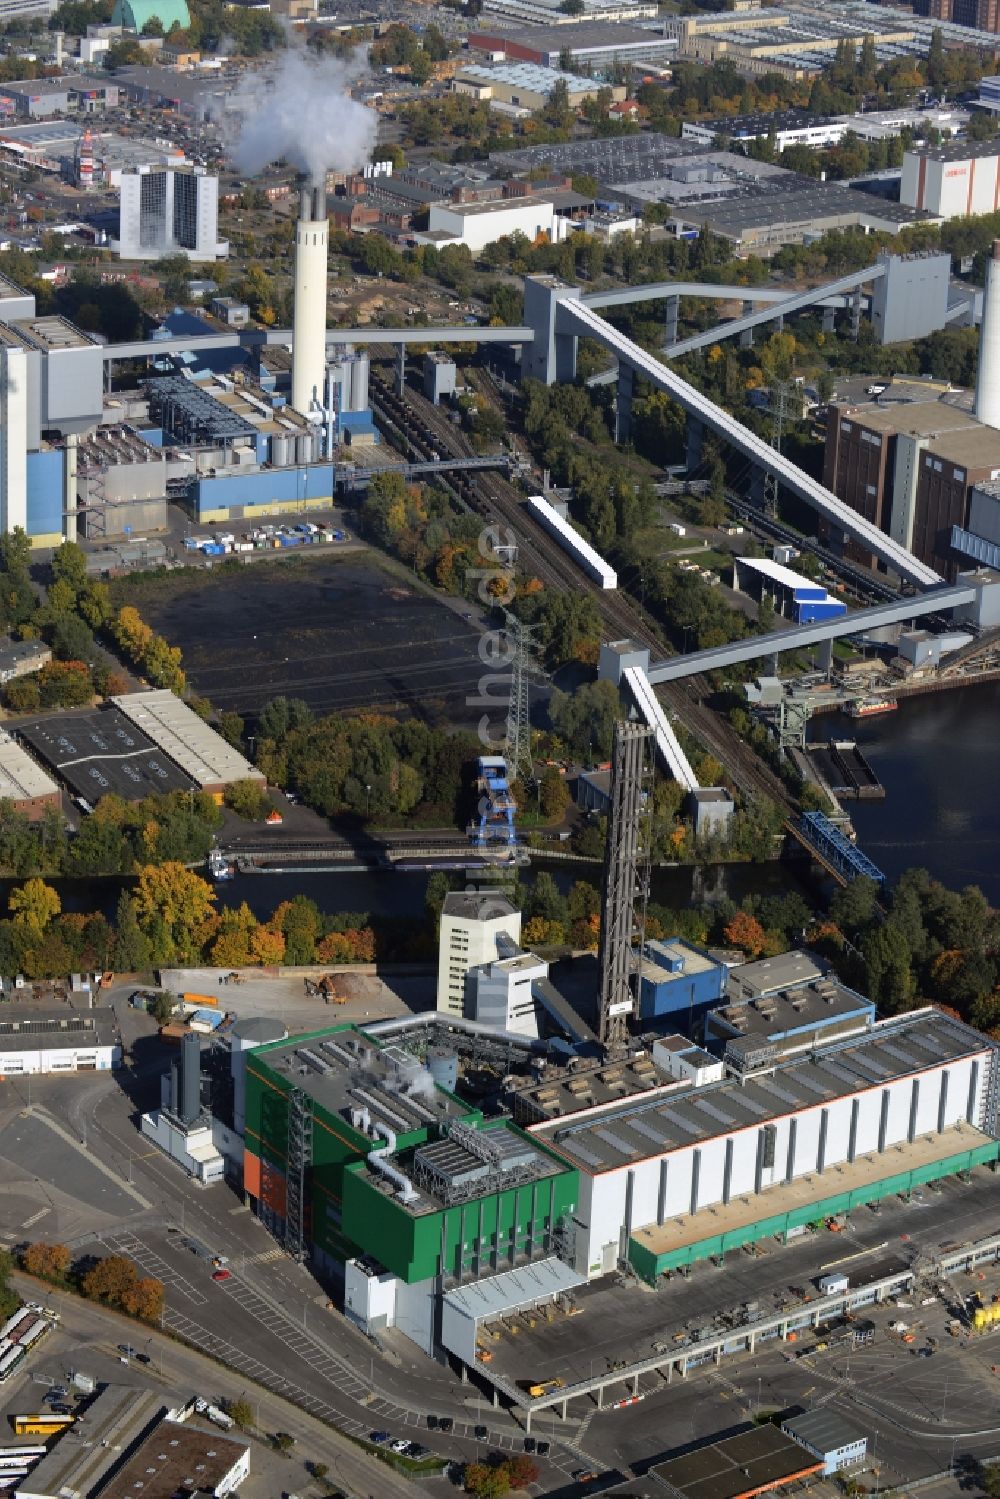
{"x":888,"y":970}
{"x":553,"y":796}
{"x":242,"y":1413}
{"x":247,"y":799}
{"x":855,"y":906}
{"x":163,"y":1008}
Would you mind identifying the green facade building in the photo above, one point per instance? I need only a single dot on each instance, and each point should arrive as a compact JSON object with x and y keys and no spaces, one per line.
{"x":309,"y":1141}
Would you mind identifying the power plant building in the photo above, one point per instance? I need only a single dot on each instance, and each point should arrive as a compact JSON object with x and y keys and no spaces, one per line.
{"x":683,"y":1177}
{"x":356,"y":1155}
{"x":169,"y":210}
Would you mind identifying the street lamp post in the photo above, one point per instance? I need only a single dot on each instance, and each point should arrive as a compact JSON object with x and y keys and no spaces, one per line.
{"x":368,"y":802}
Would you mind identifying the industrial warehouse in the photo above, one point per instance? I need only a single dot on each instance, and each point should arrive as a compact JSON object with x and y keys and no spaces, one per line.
{"x":141,"y":743}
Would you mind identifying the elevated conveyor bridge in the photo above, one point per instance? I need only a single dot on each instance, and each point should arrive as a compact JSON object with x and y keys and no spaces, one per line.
{"x":574,"y":318}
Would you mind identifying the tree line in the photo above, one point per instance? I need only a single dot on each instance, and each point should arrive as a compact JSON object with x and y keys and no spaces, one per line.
{"x":168,"y":917}
{"x":114,"y":1280}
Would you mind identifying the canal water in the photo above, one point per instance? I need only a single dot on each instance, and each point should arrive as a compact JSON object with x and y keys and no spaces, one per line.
{"x":388,"y":893}
{"x":937,"y":757}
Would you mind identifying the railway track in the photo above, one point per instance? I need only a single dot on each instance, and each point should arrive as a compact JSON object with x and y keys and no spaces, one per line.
{"x":426,"y":428}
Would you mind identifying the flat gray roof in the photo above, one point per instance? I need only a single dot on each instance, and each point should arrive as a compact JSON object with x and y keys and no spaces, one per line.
{"x":188,"y":740}
{"x":343,"y":1070}
{"x":86,"y":1453}
{"x":637,"y":1129}
{"x":799,"y":1009}
{"x":784,"y":971}
{"x":23,"y":1028}
{"x":823,"y":1430}
{"x":563,"y":1090}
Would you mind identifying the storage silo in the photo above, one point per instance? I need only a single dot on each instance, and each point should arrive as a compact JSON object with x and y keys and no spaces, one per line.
{"x":244,"y":1036}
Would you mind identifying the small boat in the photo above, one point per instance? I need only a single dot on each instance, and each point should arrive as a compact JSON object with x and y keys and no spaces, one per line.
{"x":867,"y":707}
{"x":218,"y":866}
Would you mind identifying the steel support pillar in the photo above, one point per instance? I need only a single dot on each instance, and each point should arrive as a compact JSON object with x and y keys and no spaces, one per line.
{"x":400,"y":369}
{"x":856,"y":301}
{"x":829,"y":319}
{"x":695,"y":443}
{"x":623,"y":409}
{"x":673,"y":311}
{"x":746,"y":337}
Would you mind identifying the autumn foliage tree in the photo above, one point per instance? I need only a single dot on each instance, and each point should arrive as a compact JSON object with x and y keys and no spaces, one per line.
{"x":745,"y":932}
{"x":116,"y":1282}
{"x":48,"y":1261}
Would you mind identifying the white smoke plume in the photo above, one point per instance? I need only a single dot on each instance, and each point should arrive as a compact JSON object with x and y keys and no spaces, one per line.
{"x":301,"y":111}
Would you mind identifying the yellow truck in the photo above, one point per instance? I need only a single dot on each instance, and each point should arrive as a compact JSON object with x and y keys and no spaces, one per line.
{"x":536,"y":1390}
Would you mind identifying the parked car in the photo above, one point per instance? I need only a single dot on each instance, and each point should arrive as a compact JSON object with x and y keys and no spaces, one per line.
{"x":222,"y":1275}
{"x":542,"y":1449}
{"x":379,"y":1438}
{"x":482,"y":1433}
{"x":127,"y":1349}
{"x":399,"y":1445}
{"x":445,"y":1423}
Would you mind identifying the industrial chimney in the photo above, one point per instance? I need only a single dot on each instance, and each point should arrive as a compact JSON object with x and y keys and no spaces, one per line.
{"x":190,"y":1078}
{"x":987,"y":407}
{"x":309,"y":317}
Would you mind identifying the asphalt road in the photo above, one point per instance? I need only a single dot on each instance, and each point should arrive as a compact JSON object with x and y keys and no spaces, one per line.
{"x":88,"y":1339}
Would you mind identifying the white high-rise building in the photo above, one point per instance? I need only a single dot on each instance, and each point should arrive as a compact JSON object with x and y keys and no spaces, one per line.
{"x":471,"y":922}
{"x":169,"y":211}
{"x":13,"y":438}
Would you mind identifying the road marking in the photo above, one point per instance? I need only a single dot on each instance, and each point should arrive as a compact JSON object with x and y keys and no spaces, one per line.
{"x":150,"y":1261}
{"x":35,"y":1217}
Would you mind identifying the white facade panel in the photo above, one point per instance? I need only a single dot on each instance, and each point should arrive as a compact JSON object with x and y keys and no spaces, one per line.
{"x":59,"y":1059}
{"x":604,"y":1198}
{"x":711,"y":1172}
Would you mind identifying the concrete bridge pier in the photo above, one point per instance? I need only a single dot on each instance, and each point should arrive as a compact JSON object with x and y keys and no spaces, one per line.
{"x":746,"y":337}
{"x":829,"y":319}
{"x":400,"y":370}
{"x":695,"y":442}
{"x":856,"y":302}
{"x":623,"y":408}
{"x":824,"y":655}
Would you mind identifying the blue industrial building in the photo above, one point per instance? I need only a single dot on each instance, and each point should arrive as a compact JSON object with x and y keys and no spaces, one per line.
{"x":679,"y":982}
{"x":46,"y":495}
{"x":793,"y":596}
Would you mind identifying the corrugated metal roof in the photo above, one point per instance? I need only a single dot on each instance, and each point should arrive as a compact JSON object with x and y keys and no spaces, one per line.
{"x":186,"y":738}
